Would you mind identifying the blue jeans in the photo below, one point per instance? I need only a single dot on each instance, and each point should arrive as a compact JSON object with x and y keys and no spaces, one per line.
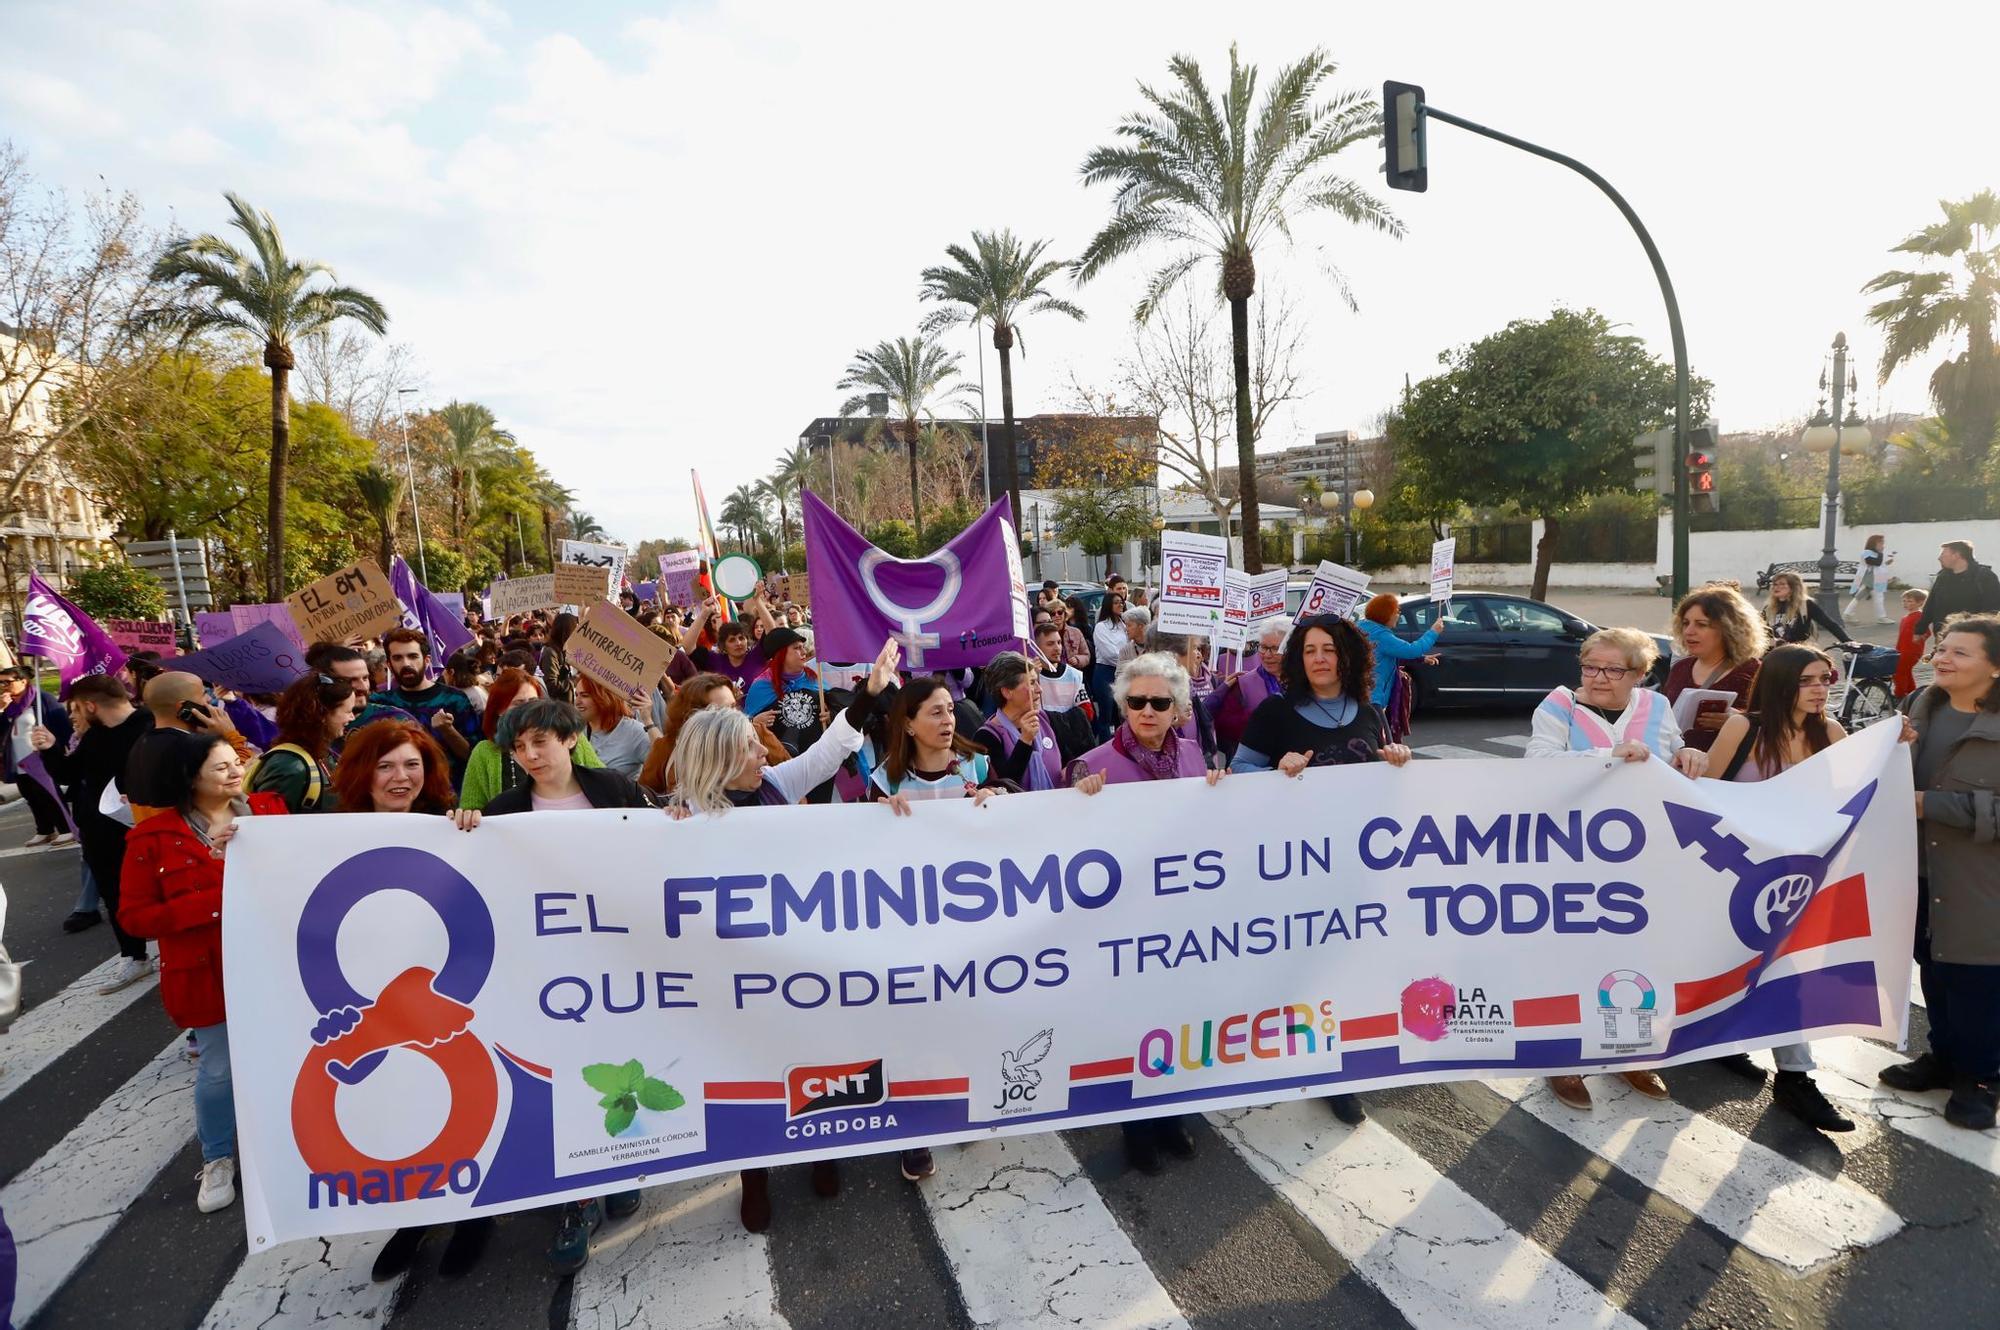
{"x":214,"y":1106}
{"x":87,"y":900}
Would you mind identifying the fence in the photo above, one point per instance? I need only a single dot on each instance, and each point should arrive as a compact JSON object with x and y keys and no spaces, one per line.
{"x":1606,"y":540}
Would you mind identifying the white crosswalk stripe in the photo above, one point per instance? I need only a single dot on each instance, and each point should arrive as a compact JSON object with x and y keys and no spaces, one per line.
{"x":53,"y":1027}
{"x":682,"y":1263}
{"x":1848,"y":1068}
{"x":324,"y":1283}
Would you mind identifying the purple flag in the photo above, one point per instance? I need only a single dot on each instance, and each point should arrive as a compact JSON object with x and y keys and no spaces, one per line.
{"x":262,"y":660}
{"x":960,"y":606}
{"x":58,"y":631}
{"x":423,"y":611}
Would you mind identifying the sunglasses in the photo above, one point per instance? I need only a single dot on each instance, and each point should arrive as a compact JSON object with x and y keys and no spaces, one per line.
{"x":1156,"y":703}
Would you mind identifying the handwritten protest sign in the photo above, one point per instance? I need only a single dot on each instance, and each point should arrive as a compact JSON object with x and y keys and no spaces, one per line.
{"x":521,"y":595}
{"x":262,"y":660}
{"x":220,"y":626}
{"x":1335,"y":589}
{"x":1267,"y":595}
{"x":581,"y":585}
{"x":588,"y":554}
{"x":801,"y":591}
{"x":353,"y":603}
{"x":1444,"y":553}
{"x":242,"y":618}
{"x":141,"y":634}
{"x":678,"y":572}
{"x":1192,"y":566}
{"x":617,"y":650}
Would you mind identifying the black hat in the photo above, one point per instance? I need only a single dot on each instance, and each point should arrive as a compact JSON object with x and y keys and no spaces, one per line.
{"x":778,"y":639}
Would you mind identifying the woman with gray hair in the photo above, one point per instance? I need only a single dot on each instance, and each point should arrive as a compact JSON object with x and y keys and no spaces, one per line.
{"x":1232,"y":704}
{"x":1194,"y":721}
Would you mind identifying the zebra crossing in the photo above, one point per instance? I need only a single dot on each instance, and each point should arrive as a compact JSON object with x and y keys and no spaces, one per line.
{"x":1481,"y":1204}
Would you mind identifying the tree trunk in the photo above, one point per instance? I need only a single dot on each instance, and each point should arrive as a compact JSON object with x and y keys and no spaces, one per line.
{"x":1246,"y":439}
{"x":1545,"y":555}
{"x":278,"y":359}
{"x":1003,"y":340}
{"x":916,"y":499}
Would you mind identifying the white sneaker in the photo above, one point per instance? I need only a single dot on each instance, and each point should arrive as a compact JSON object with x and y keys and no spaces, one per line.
{"x":33,"y":841}
{"x":218,"y":1186}
{"x":129,"y":970}
{"x":67,"y":838}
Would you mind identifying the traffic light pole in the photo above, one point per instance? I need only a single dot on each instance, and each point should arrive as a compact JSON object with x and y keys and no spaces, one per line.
{"x":1680,"y":557}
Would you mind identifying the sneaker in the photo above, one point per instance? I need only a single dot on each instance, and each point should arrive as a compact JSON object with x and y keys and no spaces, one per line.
{"x":1571,"y":1092}
{"x":398,"y":1253}
{"x":1797,"y":1095}
{"x":621,"y":1204}
{"x":129,"y":971}
{"x":570,"y":1251}
{"x":917,"y":1165}
{"x":467,"y":1245}
{"x":1347,"y":1107}
{"x":42,"y":839}
{"x":78,"y":920}
{"x":1647,"y":1083}
{"x":1973,"y":1105}
{"x":1739,"y":1064}
{"x":1917,"y":1075}
{"x":755,"y":1210}
{"x":218,"y":1186}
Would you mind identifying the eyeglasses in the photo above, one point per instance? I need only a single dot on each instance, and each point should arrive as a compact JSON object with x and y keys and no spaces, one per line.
{"x":1611,"y":672}
{"x":1156,"y":703}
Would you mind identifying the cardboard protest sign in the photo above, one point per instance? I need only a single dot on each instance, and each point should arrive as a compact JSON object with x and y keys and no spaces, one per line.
{"x":1192,"y":569}
{"x":141,"y":634}
{"x":353,"y":603}
{"x":521,"y":595}
{"x":219,"y":626}
{"x":801,"y":591}
{"x":1267,"y":595}
{"x":587,"y":554}
{"x":678,"y":572}
{"x":617,"y":650}
{"x":581,"y":585}
{"x":262,"y":660}
{"x":1444,"y":553}
{"x":1335,"y":589}
{"x":242,"y":618}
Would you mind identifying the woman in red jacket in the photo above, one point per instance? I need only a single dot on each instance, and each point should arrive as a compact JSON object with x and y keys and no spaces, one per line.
{"x":171,"y":889}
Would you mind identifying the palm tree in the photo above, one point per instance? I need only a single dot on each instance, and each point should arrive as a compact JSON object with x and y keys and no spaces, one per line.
{"x":276,"y":299}
{"x":743,"y":510}
{"x":381,"y":492}
{"x":999,"y":280}
{"x":473,"y":444}
{"x":1215,"y":183}
{"x":553,"y":500}
{"x":911,"y":370}
{"x":582,"y":526}
{"x":1939,"y":303}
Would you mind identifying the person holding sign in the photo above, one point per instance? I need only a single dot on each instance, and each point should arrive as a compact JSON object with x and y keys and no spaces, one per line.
{"x":1232,"y":704}
{"x":489,"y":770}
{"x":1377,"y":616}
{"x":1019,"y":734}
{"x":445,"y":710}
{"x":1322,"y":718}
{"x":619,"y":739}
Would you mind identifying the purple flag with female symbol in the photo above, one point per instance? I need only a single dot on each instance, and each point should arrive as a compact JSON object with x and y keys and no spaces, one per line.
{"x":59,"y":632}
{"x":959,"y":606}
{"x":423,"y":611}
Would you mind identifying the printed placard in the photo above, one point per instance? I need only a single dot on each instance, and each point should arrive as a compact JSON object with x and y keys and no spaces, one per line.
{"x":678,"y":574}
{"x":1235,"y":628}
{"x":1192,"y":566}
{"x":1017,"y":580}
{"x":1444,"y":554}
{"x":521,"y":595}
{"x":348,"y":605}
{"x":617,"y":650}
{"x":1626,"y":1015}
{"x":588,"y":554}
{"x":1454,"y":1019}
{"x":1267,"y":595}
{"x":141,"y":634}
{"x":1335,"y":589}
{"x":581,"y":585}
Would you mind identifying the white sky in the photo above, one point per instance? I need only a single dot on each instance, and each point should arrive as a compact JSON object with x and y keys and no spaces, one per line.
{"x":650,"y":237}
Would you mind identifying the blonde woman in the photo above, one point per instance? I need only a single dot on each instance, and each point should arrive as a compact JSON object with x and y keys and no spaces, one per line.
{"x":1793,"y":615}
{"x":1722,"y":639}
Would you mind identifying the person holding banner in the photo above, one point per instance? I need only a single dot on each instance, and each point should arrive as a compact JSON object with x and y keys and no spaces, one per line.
{"x":1232,"y":704}
{"x":1724,"y":639}
{"x":313,"y":714}
{"x":698,"y":693}
{"x":1787,"y":723}
{"x":171,"y":889}
{"x":1957,"y":760}
{"x":1193,"y":720}
{"x":1019,"y":735}
{"x":109,"y":725}
{"x":922,"y":754}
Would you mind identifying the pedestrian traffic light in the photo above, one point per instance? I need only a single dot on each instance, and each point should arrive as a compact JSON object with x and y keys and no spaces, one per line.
{"x":1701,"y":470}
{"x":1403,"y":136}
{"x":1652,"y":462}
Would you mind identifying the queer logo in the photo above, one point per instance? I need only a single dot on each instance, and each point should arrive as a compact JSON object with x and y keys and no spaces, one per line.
{"x":426,"y":1012}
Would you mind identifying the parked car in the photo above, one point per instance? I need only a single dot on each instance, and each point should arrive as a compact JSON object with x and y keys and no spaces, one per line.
{"x":1500,"y":648}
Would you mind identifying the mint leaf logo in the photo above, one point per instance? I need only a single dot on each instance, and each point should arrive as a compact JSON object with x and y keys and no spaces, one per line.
{"x":625,"y":1088}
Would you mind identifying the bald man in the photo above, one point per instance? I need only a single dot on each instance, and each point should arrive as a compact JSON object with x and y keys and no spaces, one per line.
{"x":180,"y":706}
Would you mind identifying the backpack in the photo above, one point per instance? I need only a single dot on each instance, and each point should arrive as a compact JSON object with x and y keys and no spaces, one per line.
{"x":315,"y":778}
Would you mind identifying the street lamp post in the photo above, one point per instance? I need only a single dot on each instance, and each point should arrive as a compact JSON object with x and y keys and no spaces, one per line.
{"x":1823,"y":435}
{"x":1362,"y":499}
{"x":410,"y":467}
{"x":985,"y":449}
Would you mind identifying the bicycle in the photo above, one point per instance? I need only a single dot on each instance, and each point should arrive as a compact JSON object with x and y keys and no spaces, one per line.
{"x":1861,"y":694}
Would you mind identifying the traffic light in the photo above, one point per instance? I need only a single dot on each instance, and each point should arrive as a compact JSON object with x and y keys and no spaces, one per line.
{"x":1652,"y":461}
{"x":1701,"y":470}
{"x":1406,"y":161}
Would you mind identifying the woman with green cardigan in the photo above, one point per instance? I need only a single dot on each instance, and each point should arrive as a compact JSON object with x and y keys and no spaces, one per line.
{"x":488,"y":771}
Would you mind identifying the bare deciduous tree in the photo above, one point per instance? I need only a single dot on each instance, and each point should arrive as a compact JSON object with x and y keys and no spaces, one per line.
{"x":357,"y":376}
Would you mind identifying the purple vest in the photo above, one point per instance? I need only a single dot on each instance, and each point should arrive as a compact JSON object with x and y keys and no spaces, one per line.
{"x":1119,"y":769}
{"x":1242,"y":696}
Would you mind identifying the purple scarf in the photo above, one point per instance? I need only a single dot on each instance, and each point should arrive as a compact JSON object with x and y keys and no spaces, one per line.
{"x":1162,"y":765}
{"x":1043,"y":775}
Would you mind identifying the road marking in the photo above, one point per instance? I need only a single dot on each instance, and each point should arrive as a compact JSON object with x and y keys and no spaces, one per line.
{"x":62,"y":1205}
{"x":1510,"y":740}
{"x":1847,"y":1071}
{"x":1442,"y":1258}
{"x":37,"y":849}
{"x":1749,"y":1192}
{"x":1452,"y":751}
{"x":682,"y":1261}
{"x":1032,"y":1244}
{"x":323,"y":1282}
{"x":52,"y":1028}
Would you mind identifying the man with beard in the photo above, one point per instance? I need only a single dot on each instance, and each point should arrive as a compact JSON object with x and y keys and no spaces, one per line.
{"x":443,"y":710}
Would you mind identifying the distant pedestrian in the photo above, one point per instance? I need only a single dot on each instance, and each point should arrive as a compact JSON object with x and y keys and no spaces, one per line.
{"x":1963,"y":586}
{"x":1793,"y":615}
{"x":1872,"y":581}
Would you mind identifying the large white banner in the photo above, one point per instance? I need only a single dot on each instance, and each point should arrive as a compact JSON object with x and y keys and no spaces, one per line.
{"x":427,"y":1024}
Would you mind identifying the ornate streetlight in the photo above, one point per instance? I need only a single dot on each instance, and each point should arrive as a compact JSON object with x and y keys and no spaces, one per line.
{"x":1362,"y":499}
{"x":1823,"y":436}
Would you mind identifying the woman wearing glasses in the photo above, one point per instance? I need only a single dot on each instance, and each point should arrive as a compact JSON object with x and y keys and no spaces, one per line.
{"x":1607,"y":715}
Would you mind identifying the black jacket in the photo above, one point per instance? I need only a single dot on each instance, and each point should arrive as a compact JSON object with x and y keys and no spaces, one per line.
{"x":603,"y":787}
{"x":98,"y":759}
{"x":1974,"y":591}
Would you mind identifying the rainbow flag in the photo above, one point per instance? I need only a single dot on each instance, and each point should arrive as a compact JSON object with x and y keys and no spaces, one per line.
{"x":710,"y":548}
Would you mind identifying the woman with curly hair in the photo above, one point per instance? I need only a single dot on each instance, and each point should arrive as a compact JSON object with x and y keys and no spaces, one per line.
{"x":1723,"y":639}
{"x":313,"y":713}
